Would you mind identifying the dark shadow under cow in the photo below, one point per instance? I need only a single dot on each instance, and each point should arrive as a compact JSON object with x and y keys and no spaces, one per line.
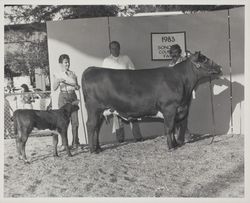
{"x":135,"y":94}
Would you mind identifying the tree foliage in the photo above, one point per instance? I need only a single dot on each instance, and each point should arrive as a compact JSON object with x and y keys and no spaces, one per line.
{"x":15,"y":14}
{"x":24,"y":55}
{"x":43,"y":13}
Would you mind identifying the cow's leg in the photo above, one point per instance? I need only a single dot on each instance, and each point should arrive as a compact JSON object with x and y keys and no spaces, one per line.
{"x":99,"y":124}
{"x":55,"y":142}
{"x":92,"y":128}
{"x":169,"y":113}
{"x":63,"y":133}
{"x":180,"y":136}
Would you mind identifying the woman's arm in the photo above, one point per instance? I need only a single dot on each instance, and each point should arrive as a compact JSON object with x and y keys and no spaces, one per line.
{"x":57,"y":83}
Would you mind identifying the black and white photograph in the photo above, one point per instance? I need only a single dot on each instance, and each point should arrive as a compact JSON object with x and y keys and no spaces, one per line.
{"x":124,"y":100}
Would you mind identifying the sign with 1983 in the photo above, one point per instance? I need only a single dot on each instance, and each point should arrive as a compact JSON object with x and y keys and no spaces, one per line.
{"x":161,"y":43}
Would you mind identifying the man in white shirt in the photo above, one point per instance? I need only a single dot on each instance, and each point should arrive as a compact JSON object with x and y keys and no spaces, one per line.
{"x":117,"y":61}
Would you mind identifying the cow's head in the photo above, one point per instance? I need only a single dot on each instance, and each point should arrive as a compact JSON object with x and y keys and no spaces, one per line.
{"x":204,"y":66}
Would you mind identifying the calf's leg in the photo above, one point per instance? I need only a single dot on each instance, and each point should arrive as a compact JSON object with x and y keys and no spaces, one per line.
{"x":22,"y":143}
{"x":18,"y":147}
{"x":55,"y":142}
{"x":63,"y":133}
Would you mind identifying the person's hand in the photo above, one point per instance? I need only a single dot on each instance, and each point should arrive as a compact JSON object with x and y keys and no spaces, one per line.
{"x":60,"y":80}
{"x":77,"y":87}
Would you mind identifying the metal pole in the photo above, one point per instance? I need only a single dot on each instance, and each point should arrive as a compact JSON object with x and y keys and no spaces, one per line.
{"x":109,"y":30}
{"x":212,"y":103}
{"x":230,"y":73}
{"x":83,"y":122}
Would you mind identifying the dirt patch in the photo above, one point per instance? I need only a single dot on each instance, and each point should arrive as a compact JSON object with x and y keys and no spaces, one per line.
{"x":142,"y":169}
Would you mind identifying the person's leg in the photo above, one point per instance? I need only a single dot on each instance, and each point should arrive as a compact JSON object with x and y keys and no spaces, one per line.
{"x":120,"y":134}
{"x":61,"y":101}
{"x":75,"y":124}
{"x":136,"y":130}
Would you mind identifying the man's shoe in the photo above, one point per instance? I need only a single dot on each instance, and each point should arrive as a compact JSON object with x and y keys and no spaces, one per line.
{"x":75,"y":145}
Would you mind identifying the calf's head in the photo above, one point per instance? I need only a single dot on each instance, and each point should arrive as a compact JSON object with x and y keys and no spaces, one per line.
{"x":68,"y":108}
{"x":205,"y":67}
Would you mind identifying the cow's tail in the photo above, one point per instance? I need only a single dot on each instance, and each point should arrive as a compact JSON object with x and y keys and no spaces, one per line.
{"x":14,"y":119}
{"x":84,"y":87}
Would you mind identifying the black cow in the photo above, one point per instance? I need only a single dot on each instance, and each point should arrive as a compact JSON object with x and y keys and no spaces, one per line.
{"x":148,"y":92}
{"x":25,"y":120}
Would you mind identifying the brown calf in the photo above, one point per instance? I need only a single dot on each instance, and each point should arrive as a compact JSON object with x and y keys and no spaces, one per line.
{"x":25,"y":120}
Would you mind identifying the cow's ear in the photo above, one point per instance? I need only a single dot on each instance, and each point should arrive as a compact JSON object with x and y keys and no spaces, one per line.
{"x":76,"y":102}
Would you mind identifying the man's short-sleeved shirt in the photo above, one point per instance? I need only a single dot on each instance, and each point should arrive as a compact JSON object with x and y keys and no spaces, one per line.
{"x":120,"y":62}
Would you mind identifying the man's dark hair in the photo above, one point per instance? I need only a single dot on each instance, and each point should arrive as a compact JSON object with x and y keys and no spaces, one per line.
{"x":114,"y":42}
{"x":62,"y":57}
{"x":176,"y":47}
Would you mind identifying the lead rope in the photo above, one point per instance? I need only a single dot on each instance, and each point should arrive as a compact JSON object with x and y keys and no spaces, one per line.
{"x":212,"y":104}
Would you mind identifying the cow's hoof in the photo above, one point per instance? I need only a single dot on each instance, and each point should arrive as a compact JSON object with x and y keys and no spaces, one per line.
{"x":70,"y":155}
{"x":171,"y":150}
{"x":98,"y":150}
{"x":26,"y":161}
{"x":139,"y":139}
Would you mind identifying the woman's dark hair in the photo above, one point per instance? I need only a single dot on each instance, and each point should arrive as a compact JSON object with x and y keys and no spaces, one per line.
{"x":62,"y":57}
{"x":25,"y":87}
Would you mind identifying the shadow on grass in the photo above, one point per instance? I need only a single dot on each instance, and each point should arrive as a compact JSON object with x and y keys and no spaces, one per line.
{"x":84,"y":148}
{"x":199,"y":137}
{"x":114,"y":145}
{"x":62,"y":153}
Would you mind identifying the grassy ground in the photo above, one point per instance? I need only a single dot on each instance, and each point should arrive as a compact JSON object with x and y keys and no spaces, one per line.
{"x":142,"y":169}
